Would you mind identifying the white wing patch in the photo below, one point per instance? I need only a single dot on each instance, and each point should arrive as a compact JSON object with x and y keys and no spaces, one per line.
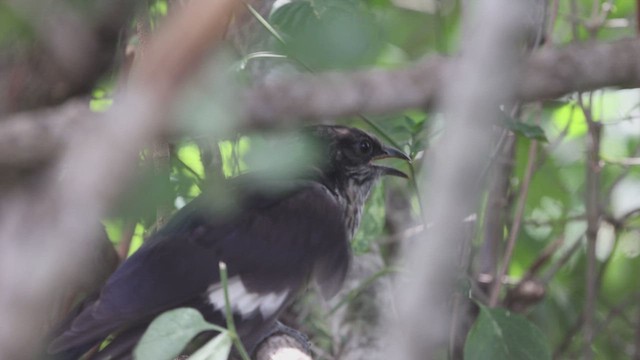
{"x":244,"y":302}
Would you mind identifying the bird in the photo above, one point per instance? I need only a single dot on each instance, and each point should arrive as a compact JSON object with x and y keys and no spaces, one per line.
{"x":274,"y":244}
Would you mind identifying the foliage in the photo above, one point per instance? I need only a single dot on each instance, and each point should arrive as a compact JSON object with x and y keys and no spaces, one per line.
{"x":170,"y":332}
{"x":345,"y":35}
{"x":381,"y":34}
{"x":500,"y":335}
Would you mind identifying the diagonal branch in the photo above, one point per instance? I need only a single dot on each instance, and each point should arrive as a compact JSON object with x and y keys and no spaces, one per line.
{"x":54,"y":217}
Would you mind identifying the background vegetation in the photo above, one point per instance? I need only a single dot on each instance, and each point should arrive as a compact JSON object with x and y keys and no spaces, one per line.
{"x":557,"y":220}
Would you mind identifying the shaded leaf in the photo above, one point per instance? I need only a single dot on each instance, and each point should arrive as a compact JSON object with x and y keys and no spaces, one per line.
{"x":217,"y":348}
{"x":527,"y":130}
{"x":325,"y":34}
{"x":500,"y":335}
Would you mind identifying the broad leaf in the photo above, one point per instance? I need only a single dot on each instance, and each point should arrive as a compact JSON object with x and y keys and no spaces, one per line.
{"x":501,"y":335}
{"x":217,"y":348}
{"x":170,"y":332}
{"x":328,"y":34}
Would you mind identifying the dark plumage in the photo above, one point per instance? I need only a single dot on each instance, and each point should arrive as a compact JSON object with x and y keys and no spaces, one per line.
{"x":273,"y":244}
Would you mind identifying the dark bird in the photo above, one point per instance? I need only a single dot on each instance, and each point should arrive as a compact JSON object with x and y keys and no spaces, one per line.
{"x":274,"y":243}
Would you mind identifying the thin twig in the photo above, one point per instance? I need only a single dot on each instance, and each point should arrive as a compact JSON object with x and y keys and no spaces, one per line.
{"x":549,"y":275}
{"x":189,"y":169}
{"x":620,"y":177}
{"x":553,"y":14}
{"x":544,"y":257}
{"x":568,"y":337}
{"x":231,"y":326}
{"x":554,"y":222}
{"x":630,"y":161}
{"x":498,"y":201}
{"x":517,"y":221}
{"x":592,"y":193}
{"x":161,"y":158}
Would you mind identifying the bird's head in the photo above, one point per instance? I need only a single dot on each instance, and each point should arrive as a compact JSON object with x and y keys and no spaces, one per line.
{"x":350,"y":154}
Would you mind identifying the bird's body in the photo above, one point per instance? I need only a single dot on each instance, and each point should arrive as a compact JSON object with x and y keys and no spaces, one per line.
{"x":273,"y":243}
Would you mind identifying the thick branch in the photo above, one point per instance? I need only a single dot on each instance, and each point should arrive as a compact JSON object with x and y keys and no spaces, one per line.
{"x":548,"y":73}
{"x":282,"y":347}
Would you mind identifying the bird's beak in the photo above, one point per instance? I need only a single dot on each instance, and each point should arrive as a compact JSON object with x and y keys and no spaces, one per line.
{"x":389,"y":152}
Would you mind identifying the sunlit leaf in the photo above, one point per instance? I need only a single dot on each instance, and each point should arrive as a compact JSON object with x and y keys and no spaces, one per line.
{"x":571,"y":118}
{"x":232,"y":154}
{"x":100,"y":105}
{"x":170,"y":332}
{"x":137,"y":239}
{"x":189,"y":154}
{"x":113,"y":227}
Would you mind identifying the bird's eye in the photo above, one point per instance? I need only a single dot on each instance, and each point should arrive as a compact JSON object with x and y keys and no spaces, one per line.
{"x":365,"y":147}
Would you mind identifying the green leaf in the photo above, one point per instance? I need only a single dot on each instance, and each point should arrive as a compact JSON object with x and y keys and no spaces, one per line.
{"x":328,"y":34}
{"x":529,"y":131}
{"x":170,"y":332}
{"x":217,"y":348}
{"x":190,"y":155}
{"x":500,"y":335}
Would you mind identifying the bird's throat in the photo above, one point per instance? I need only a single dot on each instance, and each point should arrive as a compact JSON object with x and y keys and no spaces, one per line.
{"x":352,"y":198}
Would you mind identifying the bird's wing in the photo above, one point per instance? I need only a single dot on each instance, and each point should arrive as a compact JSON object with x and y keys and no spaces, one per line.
{"x":271,"y":247}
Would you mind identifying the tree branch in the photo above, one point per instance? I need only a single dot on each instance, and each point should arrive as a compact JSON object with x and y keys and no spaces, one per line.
{"x":546,"y":74}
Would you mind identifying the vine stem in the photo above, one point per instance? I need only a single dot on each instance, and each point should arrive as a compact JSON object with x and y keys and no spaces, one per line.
{"x":515,"y":228}
{"x":231,"y":326}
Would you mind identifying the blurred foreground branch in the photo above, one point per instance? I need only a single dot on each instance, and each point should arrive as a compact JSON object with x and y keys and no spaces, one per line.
{"x":54,"y":216}
{"x":486,"y":77}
